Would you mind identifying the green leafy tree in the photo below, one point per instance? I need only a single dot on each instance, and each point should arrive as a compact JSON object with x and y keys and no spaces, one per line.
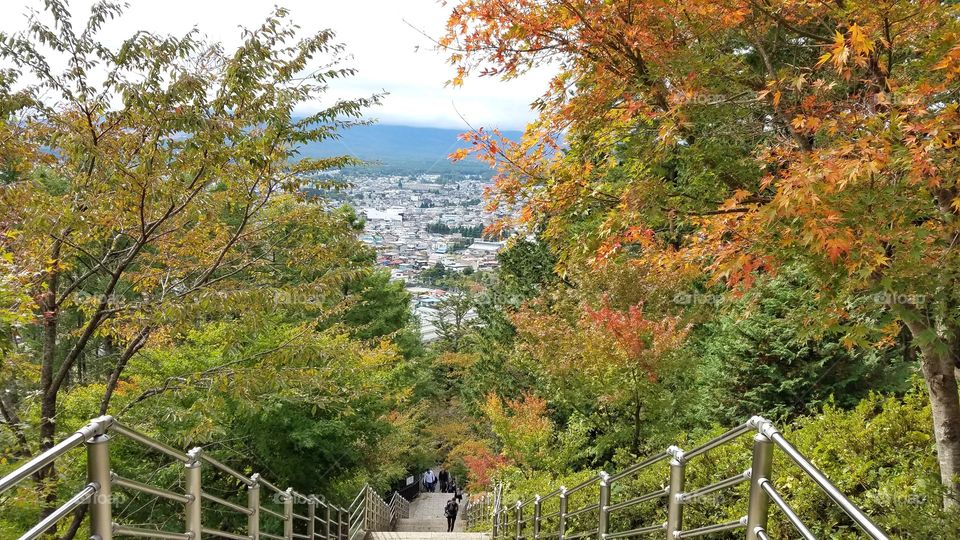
{"x":142,"y":181}
{"x":758,"y":357}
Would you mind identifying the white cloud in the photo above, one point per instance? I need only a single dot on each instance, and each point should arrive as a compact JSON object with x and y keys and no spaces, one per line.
{"x":381,"y":35}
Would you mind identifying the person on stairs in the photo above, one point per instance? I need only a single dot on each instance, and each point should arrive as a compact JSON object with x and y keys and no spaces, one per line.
{"x":452,"y":488}
{"x":444,"y":479}
{"x":429,"y":480}
{"x":450,"y":510}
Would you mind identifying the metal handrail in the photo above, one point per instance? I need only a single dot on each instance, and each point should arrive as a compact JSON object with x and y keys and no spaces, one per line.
{"x":718,"y":441}
{"x":72,"y":504}
{"x":723,"y":484}
{"x":709,"y":529}
{"x":634,"y":469}
{"x":581,"y":485}
{"x":229,"y":470}
{"x":147,"y":441}
{"x":637,"y":532}
{"x":786,"y":509}
{"x":660,"y":493}
{"x":510,"y":523}
{"x":95,"y":427}
{"x":767,"y":429}
{"x":120,"y":481}
{"x":124,"y":530}
{"x":223,"y":502}
{"x":478,"y":510}
{"x":367,"y":512}
{"x":272,"y":512}
{"x":225,"y":534}
{"x":264,"y":482}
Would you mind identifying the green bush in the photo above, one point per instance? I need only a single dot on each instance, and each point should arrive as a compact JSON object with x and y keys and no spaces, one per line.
{"x":880,"y":454}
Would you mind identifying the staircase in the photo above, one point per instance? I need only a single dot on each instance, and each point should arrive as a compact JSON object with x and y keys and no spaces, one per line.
{"x":590,"y":510}
{"x":427,"y":522}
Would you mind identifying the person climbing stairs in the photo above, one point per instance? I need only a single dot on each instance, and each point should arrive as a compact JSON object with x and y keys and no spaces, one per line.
{"x":427,"y":522}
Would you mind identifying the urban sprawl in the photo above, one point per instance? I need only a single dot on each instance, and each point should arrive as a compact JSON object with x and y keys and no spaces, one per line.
{"x":420,"y":224}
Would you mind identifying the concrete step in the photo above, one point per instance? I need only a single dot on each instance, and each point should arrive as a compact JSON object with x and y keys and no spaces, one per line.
{"x":427,"y":520}
{"x":426,"y":525}
{"x":426,"y":535}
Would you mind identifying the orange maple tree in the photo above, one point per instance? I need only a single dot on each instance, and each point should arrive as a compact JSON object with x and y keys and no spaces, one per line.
{"x":725,"y":138}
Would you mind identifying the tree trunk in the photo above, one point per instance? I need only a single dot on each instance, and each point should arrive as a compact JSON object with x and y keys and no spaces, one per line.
{"x":46,"y":476}
{"x":938,"y":370}
{"x":637,"y":414}
{"x":50,"y":313}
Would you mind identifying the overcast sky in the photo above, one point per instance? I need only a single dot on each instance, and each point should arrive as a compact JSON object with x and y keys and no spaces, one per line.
{"x":389,"y":54}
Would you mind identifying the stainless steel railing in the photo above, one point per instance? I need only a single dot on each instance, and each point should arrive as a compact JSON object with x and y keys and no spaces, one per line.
{"x":477,"y":510}
{"x":301,"y":517}
{"x":399,"y":509}
{"x":551,"y":517}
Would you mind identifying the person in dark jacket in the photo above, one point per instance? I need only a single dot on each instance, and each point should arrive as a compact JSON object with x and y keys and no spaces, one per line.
{"x":444,"y":480}
{"x":453,"y":488}
{"x":451,"y":510}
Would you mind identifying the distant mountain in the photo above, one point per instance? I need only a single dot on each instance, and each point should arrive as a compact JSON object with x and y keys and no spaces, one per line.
{"x":415,"y":149}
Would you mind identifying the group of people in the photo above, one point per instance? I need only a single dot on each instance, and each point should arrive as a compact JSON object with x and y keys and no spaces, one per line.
{"x":447,"y":485}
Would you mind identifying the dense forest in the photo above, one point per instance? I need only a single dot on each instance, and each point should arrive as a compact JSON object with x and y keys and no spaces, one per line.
{"x":723,"y":210}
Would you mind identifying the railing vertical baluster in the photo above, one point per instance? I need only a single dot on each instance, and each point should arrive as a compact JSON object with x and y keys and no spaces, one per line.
{"x":326,"y":524}
{"x":98,"y":472}
{"x":193,"y":513}
{"x":674,"y":504}
{"x":501,"y":523}
{"x":496,"y":523}
{"x":757,"y":509}
{"x":311,"y":516}
{"x":603,"y":514}
{"x":537,"y":502}
{"x":288,"y":514}
{"x":562,"y":528}
{"x":253,"y":504}
{"x":519,"y":534}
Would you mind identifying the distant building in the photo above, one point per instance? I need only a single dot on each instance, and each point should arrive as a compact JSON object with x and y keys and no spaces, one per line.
{"x":390,"y":214}
{"x":481,"y":246}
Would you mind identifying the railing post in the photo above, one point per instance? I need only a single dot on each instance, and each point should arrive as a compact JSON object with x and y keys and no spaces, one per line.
{"x":562,"y":518}
{"x":311,"y":516}
{"x":253,"y":504}
{"x":496,"y":523}
{"x":98,"y":472}
{"x":759,"y":471}
{"x":537,"y":507}
{"x":674,"y":504}
{"x":604,"y":502}
{"x":344,"y":532}
{"x":326,"y":523}
{"x":192,"y":519}
{"x":288,"y":514}
{"x":519,"y":520}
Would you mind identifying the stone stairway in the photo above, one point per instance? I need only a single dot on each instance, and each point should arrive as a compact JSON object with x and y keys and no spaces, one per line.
{"x":427,"y":522}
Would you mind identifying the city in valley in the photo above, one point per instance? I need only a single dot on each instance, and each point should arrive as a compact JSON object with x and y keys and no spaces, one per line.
{"x":425,"y":227}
